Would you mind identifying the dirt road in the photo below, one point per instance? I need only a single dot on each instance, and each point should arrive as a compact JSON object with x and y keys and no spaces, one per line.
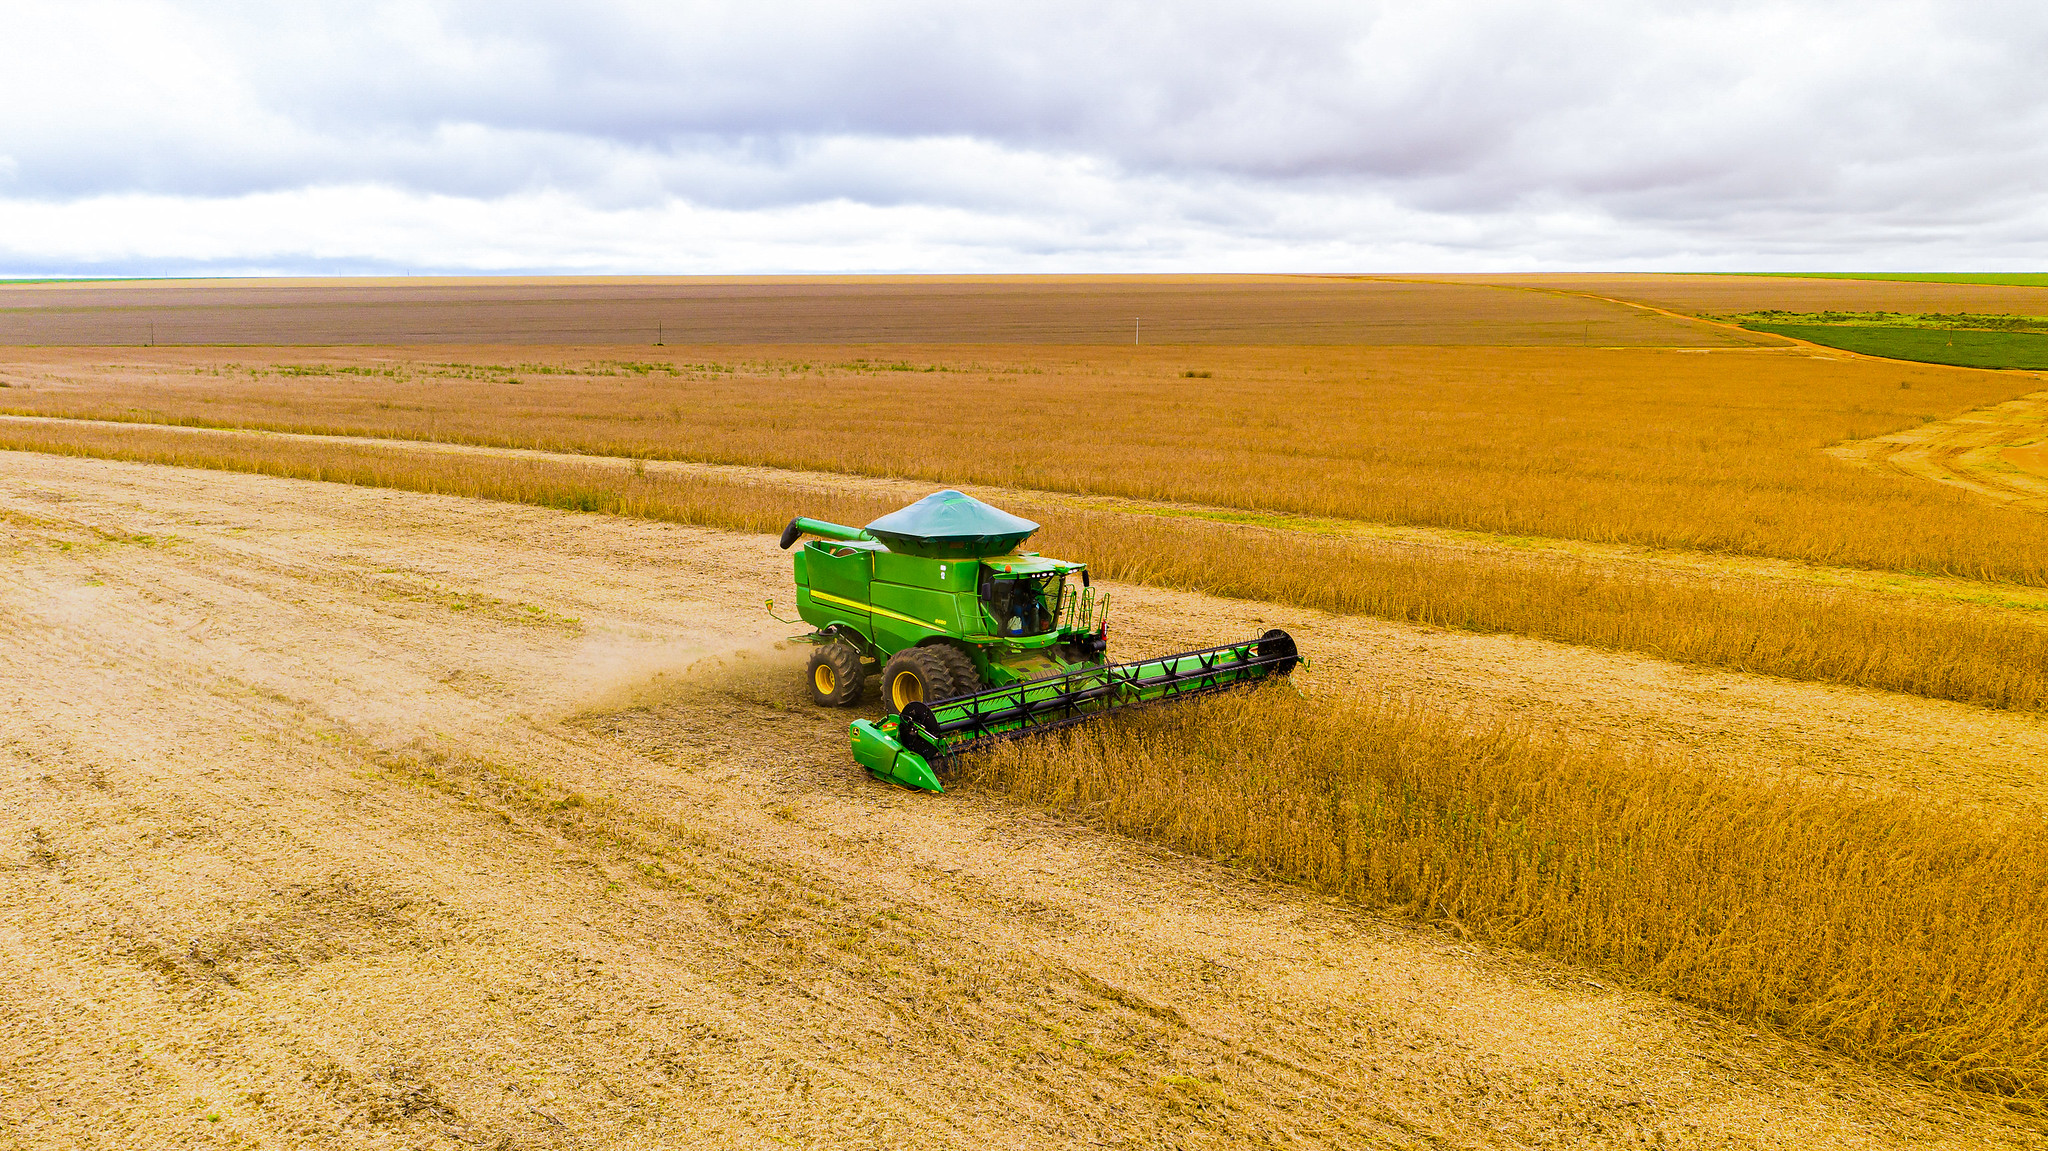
{"x":356,"y":818}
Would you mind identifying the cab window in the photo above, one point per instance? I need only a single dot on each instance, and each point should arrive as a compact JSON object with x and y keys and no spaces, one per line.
{"x":1022,"y":605}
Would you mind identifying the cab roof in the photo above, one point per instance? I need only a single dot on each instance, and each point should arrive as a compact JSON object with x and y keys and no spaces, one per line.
{"x":1029,"y":565}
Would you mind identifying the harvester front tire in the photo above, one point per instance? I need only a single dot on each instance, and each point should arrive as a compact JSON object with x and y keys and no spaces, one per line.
{"x":959,"y":667}
{"x":835,"y":675}
{"x":916,"y":675}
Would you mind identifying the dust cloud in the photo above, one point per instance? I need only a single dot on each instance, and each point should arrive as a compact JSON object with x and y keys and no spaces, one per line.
{"x":612,"y":674}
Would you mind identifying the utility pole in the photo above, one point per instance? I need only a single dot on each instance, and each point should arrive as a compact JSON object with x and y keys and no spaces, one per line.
{"x":1135,"y":321}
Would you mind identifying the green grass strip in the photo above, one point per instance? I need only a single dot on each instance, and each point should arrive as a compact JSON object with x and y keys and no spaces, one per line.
{"x":1961,"y":348}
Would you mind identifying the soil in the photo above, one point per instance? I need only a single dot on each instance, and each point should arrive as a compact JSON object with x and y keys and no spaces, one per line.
{"x":343,"y":817}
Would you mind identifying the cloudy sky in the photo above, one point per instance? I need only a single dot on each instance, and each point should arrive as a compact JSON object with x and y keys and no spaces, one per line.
{"x":318,"y":136}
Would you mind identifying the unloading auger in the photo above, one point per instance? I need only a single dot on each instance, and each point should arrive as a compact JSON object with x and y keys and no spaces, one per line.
{"x":974,"y":640}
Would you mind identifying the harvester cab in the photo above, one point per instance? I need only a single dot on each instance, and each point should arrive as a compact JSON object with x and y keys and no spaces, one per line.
{"x":975,"y":640}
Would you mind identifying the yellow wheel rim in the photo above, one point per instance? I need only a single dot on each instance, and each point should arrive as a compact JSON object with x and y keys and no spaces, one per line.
{"x":824,"y":678}
{"x":905,"y":689}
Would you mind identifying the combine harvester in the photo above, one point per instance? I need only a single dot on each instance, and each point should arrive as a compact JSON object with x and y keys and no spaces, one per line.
{"x":975,"y":641}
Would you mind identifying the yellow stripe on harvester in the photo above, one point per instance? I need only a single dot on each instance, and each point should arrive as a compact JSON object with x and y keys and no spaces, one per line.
{"x":830,"y":598}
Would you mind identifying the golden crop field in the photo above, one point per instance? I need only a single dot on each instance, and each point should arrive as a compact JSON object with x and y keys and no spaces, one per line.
{"x":1716,"y":451}
{"x":1387,"y":462}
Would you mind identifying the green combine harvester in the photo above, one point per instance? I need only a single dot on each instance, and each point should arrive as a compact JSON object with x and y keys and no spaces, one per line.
{"x":975,"y":641}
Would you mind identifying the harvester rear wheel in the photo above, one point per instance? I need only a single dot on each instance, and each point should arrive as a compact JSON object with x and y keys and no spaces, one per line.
{"x":836,"y":675}
{"x":917,"y":675}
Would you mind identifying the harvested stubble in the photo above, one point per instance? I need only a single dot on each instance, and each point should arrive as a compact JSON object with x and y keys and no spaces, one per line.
{"x":1970,"y":654}
{"x":1880,"y":927}
{"x":1718,"y":451}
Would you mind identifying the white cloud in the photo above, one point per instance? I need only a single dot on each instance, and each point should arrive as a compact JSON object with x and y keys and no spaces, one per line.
{"x":622,"y":136}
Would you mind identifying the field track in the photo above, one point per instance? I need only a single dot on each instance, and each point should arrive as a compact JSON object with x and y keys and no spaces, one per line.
{"x":1973,"y":452}
{"x":364,"y":818}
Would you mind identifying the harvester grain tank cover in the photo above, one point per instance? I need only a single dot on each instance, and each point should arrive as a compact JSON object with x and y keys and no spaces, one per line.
{"x":951,"y":523}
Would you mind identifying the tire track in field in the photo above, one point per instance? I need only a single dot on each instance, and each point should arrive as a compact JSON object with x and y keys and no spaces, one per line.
{"x":1967,"y":452}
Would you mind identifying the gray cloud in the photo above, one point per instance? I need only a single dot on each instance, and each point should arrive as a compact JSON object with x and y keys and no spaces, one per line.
{"x":1455,"y":133}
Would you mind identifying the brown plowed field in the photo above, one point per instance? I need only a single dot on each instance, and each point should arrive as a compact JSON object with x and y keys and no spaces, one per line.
{"x":822,"y":310}
{"x":357,"y":818}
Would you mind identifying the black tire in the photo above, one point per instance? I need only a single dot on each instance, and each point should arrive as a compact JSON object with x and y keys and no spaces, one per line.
{"x":1279,"y":646}
{"x":835,"y":675}
{"x":916,"y":675}
{"x":960,"y":665}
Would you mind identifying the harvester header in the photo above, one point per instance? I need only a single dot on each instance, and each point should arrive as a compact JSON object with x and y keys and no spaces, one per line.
{"x":975,"y":640}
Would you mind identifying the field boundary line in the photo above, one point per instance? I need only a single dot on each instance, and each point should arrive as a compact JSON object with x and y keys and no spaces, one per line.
{"x":1698,"y":565}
